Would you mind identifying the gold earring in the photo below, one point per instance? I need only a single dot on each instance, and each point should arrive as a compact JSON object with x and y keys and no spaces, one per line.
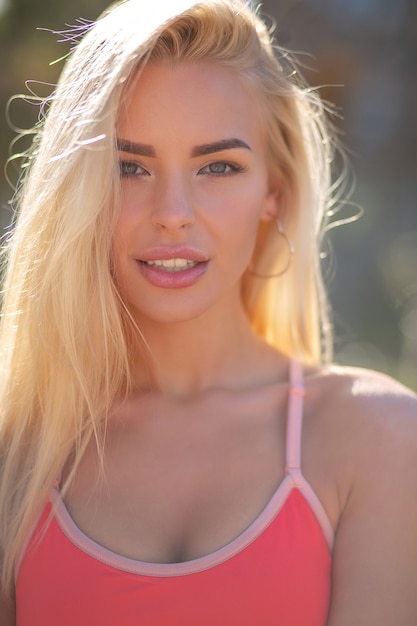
{"x":290,"y":246}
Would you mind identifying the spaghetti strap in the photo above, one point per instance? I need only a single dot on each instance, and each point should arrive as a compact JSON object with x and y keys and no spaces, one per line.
{"x":293,"y":450}
{"x":295,"y":417}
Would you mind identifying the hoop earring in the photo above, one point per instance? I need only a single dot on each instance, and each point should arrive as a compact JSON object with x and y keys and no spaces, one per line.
{"x":290,"y":245}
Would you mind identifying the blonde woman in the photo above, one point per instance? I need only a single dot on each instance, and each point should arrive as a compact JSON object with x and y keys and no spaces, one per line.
{"x":175,"y":446}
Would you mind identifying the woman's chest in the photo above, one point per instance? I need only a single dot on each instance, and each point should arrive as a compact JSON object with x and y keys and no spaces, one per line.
{"x":277,"y":572}
{"x":180,"y":482}
{"x":179,"y":491}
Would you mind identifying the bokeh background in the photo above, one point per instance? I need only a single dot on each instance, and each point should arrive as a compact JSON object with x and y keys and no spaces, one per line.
{"x":363,"y":55}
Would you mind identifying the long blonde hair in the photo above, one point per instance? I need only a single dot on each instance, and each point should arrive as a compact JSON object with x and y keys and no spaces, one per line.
{"x":65,"y":332}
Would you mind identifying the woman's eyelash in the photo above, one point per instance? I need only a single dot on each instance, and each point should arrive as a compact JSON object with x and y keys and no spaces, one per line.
{"x":130,"y":168}
{"x":221,"y":168}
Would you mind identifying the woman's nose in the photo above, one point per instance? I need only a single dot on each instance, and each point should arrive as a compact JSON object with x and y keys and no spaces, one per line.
{"x":173,"y":208}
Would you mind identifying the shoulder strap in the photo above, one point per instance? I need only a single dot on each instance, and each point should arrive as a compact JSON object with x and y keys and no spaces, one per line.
{"x":295,"y":417}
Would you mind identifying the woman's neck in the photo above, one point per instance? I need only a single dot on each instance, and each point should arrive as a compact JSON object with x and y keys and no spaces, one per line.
{"x":216,"y":350}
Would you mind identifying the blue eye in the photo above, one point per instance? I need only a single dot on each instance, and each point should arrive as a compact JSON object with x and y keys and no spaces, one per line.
{"x":221,"y":168}
{"x":129,"y":168}
{"x":218,"y":168}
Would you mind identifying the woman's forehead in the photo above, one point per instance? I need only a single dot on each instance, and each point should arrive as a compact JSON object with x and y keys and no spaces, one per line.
{"x":195,"y":96}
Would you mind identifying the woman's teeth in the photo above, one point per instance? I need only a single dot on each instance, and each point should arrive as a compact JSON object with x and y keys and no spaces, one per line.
{"x":172,"y":265}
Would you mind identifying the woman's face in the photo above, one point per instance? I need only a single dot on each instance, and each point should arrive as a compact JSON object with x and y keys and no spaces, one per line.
{"x":194,"y":184}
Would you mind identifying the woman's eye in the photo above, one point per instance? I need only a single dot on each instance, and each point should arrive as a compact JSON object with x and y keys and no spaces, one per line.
{"x":220,"y":168}
{"x":129,"y":168}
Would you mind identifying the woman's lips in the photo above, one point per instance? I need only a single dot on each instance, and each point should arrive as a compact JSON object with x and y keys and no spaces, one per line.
{"x":173,"y":268}
{"x":166,"y":253}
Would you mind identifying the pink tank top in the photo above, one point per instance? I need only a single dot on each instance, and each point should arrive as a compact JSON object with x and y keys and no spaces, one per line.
{"x":277,"y":572}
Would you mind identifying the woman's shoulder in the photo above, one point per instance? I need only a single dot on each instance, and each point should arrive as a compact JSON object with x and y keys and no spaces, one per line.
{"x":363,"y":427}
{"x":365,"y":405}
{"x":361,"y":443}
{"x":357,"y":394}
{"x":367,"y":418}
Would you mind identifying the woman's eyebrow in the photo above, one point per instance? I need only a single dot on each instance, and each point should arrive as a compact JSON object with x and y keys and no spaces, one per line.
{"x":218,"y":146}
{"x":143,"y":149}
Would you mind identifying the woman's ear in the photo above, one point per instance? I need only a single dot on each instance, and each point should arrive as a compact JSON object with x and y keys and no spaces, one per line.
{"x":272,"y":202}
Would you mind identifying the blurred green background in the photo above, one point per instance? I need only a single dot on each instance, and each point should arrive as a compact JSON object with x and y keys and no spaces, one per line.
{"x":364,"y":55}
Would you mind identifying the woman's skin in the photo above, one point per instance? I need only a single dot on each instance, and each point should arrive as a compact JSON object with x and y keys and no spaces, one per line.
{"x":185,"y":191}
{"x":187,"y":469}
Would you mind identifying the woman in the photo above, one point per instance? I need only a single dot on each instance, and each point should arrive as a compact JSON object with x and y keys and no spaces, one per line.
{"x":176,"y":448}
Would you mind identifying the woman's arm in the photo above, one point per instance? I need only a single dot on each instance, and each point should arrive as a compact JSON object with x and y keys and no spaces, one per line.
{"x":375,"y":556}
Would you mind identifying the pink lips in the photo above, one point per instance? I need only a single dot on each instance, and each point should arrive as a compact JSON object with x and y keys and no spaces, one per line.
{"x":161,"y":277}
